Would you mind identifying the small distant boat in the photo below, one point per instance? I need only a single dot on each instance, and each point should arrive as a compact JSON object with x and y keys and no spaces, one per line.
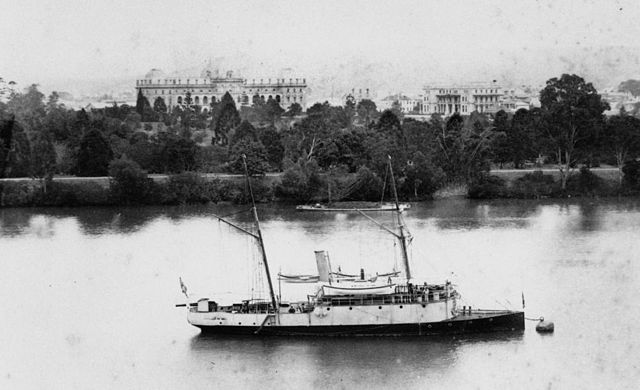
{"x":355,"y":206}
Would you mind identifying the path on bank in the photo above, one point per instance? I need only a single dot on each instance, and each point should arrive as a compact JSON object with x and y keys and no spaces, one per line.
{"x":507,"y":174}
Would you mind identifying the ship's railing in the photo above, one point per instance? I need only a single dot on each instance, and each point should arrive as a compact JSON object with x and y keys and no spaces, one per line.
{"x":412,"y":295}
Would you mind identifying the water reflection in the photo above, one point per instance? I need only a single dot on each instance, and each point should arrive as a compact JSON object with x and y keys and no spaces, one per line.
{"x":343,"y":362}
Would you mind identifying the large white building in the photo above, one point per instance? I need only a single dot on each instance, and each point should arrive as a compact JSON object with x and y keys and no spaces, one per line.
{"x":463,"y":99}
{"x":211,"y":86}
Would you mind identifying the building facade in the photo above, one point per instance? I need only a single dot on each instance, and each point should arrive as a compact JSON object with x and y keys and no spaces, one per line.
{"x":406,"y":104}
{"x":211,"y":86}
{"x":463,"y":99}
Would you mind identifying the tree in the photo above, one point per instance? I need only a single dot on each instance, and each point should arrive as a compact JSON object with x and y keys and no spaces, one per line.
{"x":28,"y":108}
{"x":622,"y":138}
{"x":143,"y":108}
{"x":129,"y":183}
{"x":57,"y":120}
{"x":245,"y":130}
{"x":94,"y":155}
{"x":15,"y":149}
{"x":500,"y":145}
{"x":273,"y":110}
{"x":256,"y":157}
{"x":225,"y":119}
{"x":421,"y":178}
{"x":350,"y":109}
{"x":272,"y":142}
{"x":43,"y":158}
{"x":522,"y":134}
{"x":367,"y":111}
{"x":396,"y":108}
{"x":294,"y":110}
{"x":159,"y":105}
{"x":464,"y":152}
{"x":573,"y":111}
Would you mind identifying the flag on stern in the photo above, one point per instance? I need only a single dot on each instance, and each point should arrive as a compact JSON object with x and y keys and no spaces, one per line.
{"x":183,"y":287}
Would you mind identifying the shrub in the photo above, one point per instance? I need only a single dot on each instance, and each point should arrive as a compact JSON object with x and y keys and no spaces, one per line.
{"x":487,"y":187}
{"x":17,"y":194}
{"x":631,"y":172}
{"x":261,"y":192}
{"x":586,"y":183}
{"x":534,"y":185}
{"x":129,"y":183}
{"x":300,"y":182}
{"x":190,"y":187}
{"x":367,"y":186}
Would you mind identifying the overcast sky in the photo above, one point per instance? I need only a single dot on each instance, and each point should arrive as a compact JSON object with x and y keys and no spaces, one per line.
{"x":408,"y":43}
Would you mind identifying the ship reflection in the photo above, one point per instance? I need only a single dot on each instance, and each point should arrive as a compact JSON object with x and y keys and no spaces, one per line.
{"x":339,"y":362}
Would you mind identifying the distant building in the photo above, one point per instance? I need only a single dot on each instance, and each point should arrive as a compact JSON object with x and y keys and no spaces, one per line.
{"x":358,"y":95}
{"x":211,"y":86}
{"x":618,"y":100}
{"x":463,"y":99}
{"x":407,"y":104}
{"x":514,"y":99}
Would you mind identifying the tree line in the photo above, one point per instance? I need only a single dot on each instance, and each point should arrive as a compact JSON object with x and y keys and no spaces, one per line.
{"x":329,"y":150}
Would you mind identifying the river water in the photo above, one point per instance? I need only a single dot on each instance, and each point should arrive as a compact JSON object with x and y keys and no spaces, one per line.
{"x":88,"y":296}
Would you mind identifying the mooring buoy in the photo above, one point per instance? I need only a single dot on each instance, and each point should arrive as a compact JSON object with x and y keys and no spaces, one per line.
{"x":544,"y":326}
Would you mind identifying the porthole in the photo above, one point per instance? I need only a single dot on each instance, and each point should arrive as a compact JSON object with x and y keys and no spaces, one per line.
{"x":220,"y":322}
{"x":328,"y":308}
{"x":239,"y":323}
{"x":254,"y":323}
{"x":401,"y":306}
{"x":423,"y":305}
{"x":429,"y":326}
{"x":379,"y":307}
{"x":350,"y":308}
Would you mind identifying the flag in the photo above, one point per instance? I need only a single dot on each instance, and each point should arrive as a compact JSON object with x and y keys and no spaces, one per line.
{"x":183,"y":287}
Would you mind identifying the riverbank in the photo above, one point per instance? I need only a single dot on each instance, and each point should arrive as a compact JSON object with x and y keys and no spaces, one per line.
{"x":192,"y":188}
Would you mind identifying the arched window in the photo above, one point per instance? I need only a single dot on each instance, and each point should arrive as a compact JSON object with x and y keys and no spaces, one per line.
{"x":205,"y":101}
{"x":179,"y":99}
{"x":213,"y":99}
{"x":197,"y":100}
{"x":278,"y":98}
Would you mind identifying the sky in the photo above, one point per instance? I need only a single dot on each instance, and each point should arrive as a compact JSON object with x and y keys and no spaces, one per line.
{"x":391,"y":46}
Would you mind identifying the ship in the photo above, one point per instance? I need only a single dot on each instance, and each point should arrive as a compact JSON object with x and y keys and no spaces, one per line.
{"x":392,"y":304}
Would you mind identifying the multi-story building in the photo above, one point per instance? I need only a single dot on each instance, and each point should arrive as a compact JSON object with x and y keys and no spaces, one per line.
{"x":358,"y":95}
{"x":406,"y":104}
{"x":211,"y":86}
{"x":463,"y":99}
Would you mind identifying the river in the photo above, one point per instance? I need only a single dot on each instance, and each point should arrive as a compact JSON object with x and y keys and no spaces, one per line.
{"x":88,"y":296}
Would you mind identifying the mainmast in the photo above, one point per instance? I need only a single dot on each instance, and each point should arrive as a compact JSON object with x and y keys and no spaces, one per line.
{"x":401,"y":236}
{"x":259,"y":235}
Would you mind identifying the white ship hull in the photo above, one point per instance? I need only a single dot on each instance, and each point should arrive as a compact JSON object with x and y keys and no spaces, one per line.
{"x":394,"y":319}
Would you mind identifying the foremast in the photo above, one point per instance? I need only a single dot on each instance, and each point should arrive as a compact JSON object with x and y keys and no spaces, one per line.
{"x":257,"y":236}
{"x":401,"y":236}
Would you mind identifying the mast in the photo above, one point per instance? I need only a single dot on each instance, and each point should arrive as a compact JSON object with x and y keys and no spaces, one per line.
{"x":401,"y":235}
{"x":259,"y":235}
